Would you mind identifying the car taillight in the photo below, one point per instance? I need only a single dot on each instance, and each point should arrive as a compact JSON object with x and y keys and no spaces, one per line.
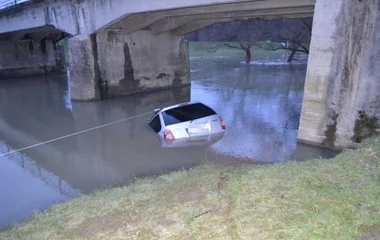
{"x":168,"y":135}
{"x":222,"y":123}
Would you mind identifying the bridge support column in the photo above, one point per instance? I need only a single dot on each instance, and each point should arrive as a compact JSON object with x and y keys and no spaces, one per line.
{"x":83,"y":76}
{"x":112,"y":63}
{"x":24,"y":58}
{"x":341,"y":103}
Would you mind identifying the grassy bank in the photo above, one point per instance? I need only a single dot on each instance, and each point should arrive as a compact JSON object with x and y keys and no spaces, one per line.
{"x":319,"y":199}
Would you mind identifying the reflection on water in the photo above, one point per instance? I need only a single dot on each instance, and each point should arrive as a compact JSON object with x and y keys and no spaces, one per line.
{"x":260,"y":105}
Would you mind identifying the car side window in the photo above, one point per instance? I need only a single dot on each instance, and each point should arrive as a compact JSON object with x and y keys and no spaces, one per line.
{"x":156,"y":123}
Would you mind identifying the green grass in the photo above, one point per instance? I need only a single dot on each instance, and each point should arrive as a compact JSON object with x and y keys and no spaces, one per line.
{"x":204,"y":50}
{"x":337,"y":198}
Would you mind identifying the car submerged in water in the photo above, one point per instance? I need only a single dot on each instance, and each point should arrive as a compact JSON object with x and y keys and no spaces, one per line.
{"x":187,"y":124}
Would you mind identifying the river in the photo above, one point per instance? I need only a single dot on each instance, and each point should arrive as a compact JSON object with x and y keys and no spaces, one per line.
{"x":260,"y":105}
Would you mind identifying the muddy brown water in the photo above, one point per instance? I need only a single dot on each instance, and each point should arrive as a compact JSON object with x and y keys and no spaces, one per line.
{"x":260,"y":105}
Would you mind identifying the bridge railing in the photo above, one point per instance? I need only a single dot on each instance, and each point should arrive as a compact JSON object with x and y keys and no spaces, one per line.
{"x":9,"y":3}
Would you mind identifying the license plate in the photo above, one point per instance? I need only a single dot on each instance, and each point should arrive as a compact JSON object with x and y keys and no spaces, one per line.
{"x":197,"y":139}
{"x":199,"y":128}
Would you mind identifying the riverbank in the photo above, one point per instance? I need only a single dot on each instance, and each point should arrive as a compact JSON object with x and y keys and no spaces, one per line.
{"x":206,"y":50}
{"x":337,"y":198}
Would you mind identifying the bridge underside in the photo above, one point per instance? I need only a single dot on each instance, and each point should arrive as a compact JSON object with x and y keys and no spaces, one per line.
{"x":341,"y":103}
{"x":146,"y":51}
{"x":135,"y":52}
{"x":30,"y":52}
{"x":90,"y":16}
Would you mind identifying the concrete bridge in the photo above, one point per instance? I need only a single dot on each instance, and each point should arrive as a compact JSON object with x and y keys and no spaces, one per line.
{"x":119,"y":47}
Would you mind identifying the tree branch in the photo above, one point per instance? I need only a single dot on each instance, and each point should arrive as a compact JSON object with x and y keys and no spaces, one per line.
{"x":241,"y":44}
{"x":245,"y":47}
{"x":305,"y":49}
{"x":296,"y":42}
{"x":307,"y":24}
{"x":232,"y":46}
{"x":217,"y":47}
{"x":295,"y":49}
{"x":269,"y":49}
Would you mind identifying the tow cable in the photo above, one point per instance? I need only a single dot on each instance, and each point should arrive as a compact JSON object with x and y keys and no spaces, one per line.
{"x":72,"y":134}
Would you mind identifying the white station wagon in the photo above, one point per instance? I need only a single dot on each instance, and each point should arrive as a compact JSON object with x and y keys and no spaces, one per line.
{"x":186,"y":120}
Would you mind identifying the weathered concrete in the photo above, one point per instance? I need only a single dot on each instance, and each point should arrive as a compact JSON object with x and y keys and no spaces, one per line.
{"x":89,"y":16}
{"x":98,"y":64}
{"x":114,"y":64}
{"x":24,"y":58}
{"x":235,"y":10}
{"x":82,"y":70}
{"x":171,"y":23}
{"x":180,"y":29}
{"x":342,"y":91}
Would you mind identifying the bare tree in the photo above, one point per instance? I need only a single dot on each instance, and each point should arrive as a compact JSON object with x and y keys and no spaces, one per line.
{"x":283,"y":34}
{"x":246,"y":34}
{"x":297,"y":35}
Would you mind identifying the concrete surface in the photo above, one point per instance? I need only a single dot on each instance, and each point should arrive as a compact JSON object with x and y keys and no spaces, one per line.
{"x":115,"y":64}
{"x":171,"y":23}
{"x":341,"y":104}
{"x":83,"y":76}
{"x":89,"y":16}
{"x":41,"y":18}
{"x":23,"y":58}
{"x":141,"y":61}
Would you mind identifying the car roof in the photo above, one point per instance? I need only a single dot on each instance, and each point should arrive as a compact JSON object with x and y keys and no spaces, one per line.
{"x":179,"y":105}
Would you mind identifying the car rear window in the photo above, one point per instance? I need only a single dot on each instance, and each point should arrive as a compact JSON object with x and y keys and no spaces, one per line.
{"x":156,"y":124}
{"x":186,"y":113}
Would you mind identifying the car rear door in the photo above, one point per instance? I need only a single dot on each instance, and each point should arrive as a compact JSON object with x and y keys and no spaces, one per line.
{"x":192,"y":120}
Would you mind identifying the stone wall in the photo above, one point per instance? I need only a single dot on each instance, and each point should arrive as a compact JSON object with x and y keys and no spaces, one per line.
{"x":118,"y":64}
{"x":341,"y":104}
{"x":27,"y":58}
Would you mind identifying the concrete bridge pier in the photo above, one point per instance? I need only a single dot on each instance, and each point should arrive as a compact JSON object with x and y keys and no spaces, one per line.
{"x":27,"y":57}
{"x":341,"y":103}
{"x":112,"y":63}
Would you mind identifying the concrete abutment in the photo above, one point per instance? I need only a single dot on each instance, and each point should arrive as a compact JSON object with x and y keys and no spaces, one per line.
{"x":341,"y":105}
{"x":111,"y":63}
{"x":27,"y":58}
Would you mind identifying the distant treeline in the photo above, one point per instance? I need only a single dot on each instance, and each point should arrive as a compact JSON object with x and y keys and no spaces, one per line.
{"x":292,"y":34}
{"x":274,"y":30}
